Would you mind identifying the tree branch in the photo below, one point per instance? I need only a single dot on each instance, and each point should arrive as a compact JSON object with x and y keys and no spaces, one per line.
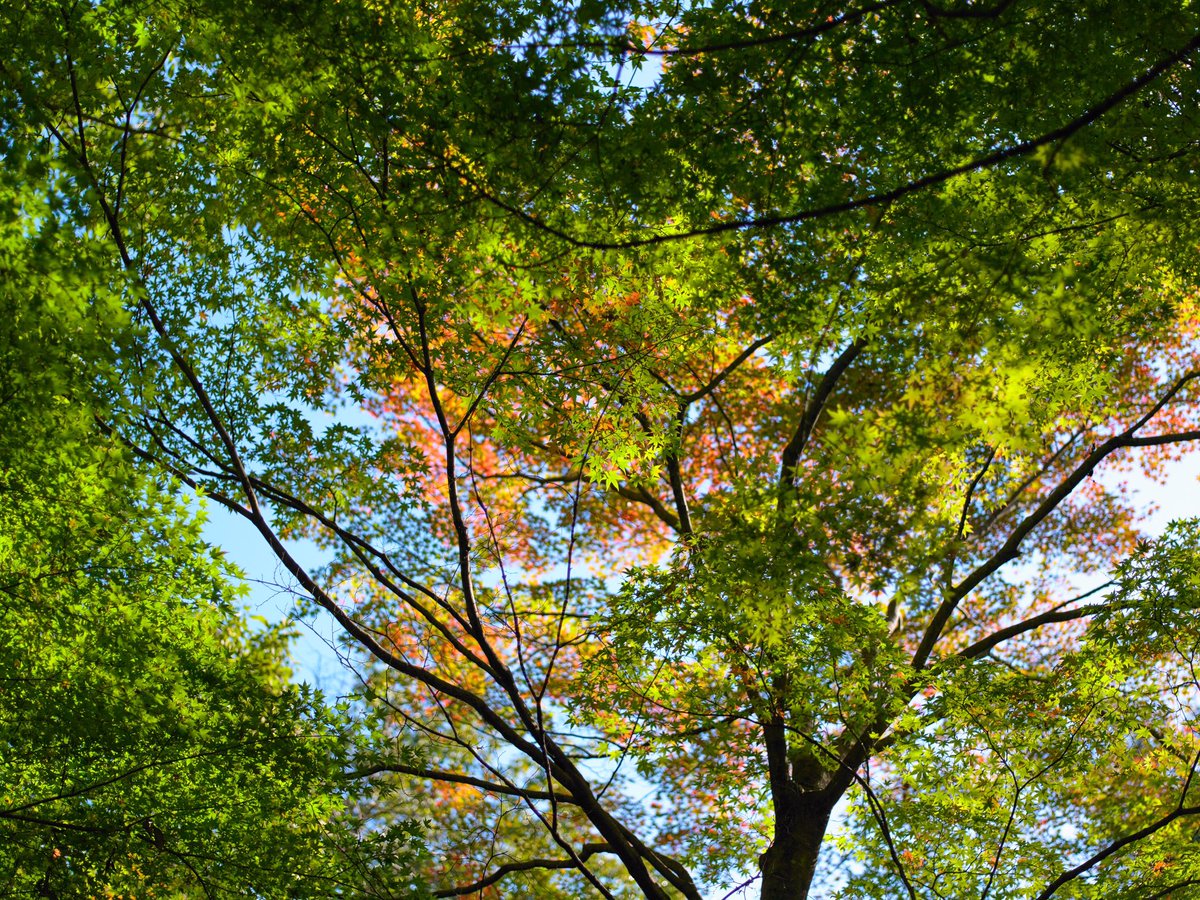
{"x":812,"y":411}
{"x":588,"y":850}
{"x":1180,"y":811}
{"x":702,"y":392}
{"x":1011,"y":547}
{"x":492,"y":787}
{"x":879,"y":199}
{"x":982,"y":646}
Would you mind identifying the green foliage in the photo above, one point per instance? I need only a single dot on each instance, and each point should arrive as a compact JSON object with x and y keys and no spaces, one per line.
{"x":694,"y":449}
{"x":151,"y":744}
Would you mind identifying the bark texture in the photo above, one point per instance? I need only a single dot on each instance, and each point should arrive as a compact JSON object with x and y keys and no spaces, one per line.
{"x":788,"y":866}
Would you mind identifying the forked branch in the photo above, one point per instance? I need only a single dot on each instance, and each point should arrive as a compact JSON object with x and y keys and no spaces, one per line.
{"x":587,"y":851}
{"x":812,"y":411}
{"x":1011,"y":547}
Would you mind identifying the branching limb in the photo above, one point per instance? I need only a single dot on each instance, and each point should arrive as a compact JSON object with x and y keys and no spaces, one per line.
{"x":490,"y":380}
{"x":375,"y":560}
{"x":675,"y":477}
{"x":1014,"y":151}
{"x":1180,"y":811}
{"x":491,"y":787}
{"x":966,"y":508}
{"x":588,"y":850}
{"x":701,"y":392}
{"x":982,"y":646}
{"x":1011,"y":547}
{"x":635,"y":494}
{"x":812,"y":411}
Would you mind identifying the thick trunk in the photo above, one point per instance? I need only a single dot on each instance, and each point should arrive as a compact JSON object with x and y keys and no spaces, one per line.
{"x":803,"y":793}
{"x":788,"y":866}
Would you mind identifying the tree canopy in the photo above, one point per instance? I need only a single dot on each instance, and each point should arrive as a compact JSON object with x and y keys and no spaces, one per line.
{"x":699,"y":403}
{"x":151,"y":744}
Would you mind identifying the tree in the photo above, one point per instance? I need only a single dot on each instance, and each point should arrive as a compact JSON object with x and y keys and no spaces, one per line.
{"x":150,"y":743}
{"x":734,"y":424}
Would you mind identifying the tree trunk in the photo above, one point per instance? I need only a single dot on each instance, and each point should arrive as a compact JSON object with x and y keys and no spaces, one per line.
{"x":789,"y":864}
